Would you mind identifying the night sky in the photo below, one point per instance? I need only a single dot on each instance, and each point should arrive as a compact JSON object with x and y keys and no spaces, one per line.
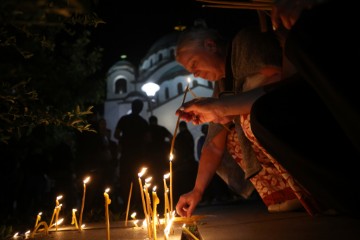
{"x":133,"y":27}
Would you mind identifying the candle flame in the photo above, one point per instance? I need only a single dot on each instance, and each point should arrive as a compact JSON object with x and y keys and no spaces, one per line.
{"x":144,"y":224}
{"x":59,"y":222}
{"x":107,"y":190}
{"x":86,"y":180}
{"x":59,"y":197}
{"x":83,"y":226}
{"x":40,"y":213}
{"x":188,"y":79}
{"x":143,"y":170}
{"x":148,"y":179}
{"x":16,"y":234}
{"x":154,"y":189}
{"x":171,"y":157}
{"x":133,"y":215}
{"x":166,"y":176}
{"x":168,"y":226}
{"x":74,"y":209}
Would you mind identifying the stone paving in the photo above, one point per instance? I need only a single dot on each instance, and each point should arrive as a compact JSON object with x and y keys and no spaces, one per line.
{"x":244,"y":220}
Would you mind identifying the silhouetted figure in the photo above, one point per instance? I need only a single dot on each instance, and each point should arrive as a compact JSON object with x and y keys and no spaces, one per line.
{"x":201,"y":140}
{"x":158,"y":148}
{"x":184,"y":163}
{"x":131,"y":134}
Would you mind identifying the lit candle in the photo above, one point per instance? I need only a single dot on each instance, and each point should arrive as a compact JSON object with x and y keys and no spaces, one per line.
{"x":189,"y":232}
{"x":86,"y":180}
{"x":57,"y":215}
{"x":147,"y":195}
{"x":171,"y":183}
{"x":192,"y":93}
{"x":74,"y":220}
{"x":38,"y":218}
{"x":57,"y":204}
{"x":171,"y":156}
{"x":107,"y":202}
{"x":128,"y":204}
{"x":148,"y":206}
{"x":142,"y":192}
{"x":133,"y":216}
{"x":140,"y":174}
{"x":169,"y":225}
{"x":156,"y":201}
{"x":166,"y":199}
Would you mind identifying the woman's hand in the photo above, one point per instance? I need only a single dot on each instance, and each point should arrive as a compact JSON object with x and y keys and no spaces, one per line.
{"x":203,"y":110}
{"x":187,"y":203}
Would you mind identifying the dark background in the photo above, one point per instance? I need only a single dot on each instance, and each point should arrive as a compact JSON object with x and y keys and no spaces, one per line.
{"x":133,"y":27}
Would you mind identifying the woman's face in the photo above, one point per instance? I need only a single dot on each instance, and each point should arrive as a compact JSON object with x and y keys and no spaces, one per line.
{"x":203,"y":61}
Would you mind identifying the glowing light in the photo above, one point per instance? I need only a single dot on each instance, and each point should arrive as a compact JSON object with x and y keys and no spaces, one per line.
{"x":150,"y":89}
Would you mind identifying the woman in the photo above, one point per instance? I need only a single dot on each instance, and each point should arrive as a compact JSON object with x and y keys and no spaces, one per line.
{"x":252,"y":60}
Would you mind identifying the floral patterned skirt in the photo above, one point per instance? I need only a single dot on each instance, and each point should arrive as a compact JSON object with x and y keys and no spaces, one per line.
{"x":273,"y":183}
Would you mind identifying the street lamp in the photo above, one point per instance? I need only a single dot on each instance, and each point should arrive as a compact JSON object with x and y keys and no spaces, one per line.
{"x":150,"y":89}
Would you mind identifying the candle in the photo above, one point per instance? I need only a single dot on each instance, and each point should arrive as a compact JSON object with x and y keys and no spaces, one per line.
{"x":44,"y":224}
{"x":53,"y":216}
{"x":156,"y":201}
{"x":171,"y":183}
{"x":107,"y":202}
{"x":57,"y":203}
{"x":169,"y":225}
{"x":189,"y":232}
{"x":57,"y":216}
{"x":128,"y":204}
{"x":142,"y":192}
{"x":171,"y":156}
{"x":147,"y":198}
{"x":166,"y":200}
{"x":148,"y":206}
{"x":133,"y":216}
{"x":140,"y":174}
{"x":85,"y":181}
{"x":192,"y":93}
{"x":38,"y":218}
{"x":74,"y":220}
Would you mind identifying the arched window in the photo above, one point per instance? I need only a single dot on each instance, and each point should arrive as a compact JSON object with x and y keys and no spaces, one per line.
{"x":167,"y":95}
{"x":195,"y":83}
{"x":210,"y":85}
{"x":180,"y":89}
{"x":120,"y":86}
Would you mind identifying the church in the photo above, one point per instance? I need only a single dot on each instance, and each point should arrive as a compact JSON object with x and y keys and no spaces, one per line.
{"x":159,"y":81}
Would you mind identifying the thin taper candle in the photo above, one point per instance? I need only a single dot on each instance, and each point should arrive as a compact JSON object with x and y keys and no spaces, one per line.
{"x":107,"y":202}
{"x":86,"y":180}
{"x":128,"y":204}
{"x":171,"y":156}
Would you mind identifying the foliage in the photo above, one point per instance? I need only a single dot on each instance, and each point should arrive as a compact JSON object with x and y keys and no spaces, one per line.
{"x":50,"y":69}
{"x":5,"y":232}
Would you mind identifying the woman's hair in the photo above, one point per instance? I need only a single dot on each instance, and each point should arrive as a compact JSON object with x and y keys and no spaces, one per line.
{"x":195,"y":36}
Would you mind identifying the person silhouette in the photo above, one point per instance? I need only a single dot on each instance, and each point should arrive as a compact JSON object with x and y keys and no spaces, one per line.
{"x":130,"y":132}
{"x":158,"y":147}
{"x":158,"y":144}
{"x":184,"y":161}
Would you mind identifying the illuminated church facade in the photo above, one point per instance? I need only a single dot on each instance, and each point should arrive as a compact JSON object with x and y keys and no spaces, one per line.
{"x":159,"y":68}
